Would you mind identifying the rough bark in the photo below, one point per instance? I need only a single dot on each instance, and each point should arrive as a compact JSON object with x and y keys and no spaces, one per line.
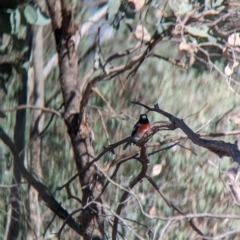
{"x":77,"y":123}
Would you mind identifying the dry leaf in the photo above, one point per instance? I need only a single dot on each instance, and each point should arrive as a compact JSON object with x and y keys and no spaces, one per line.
{"x":228,"y":71}
{"x":157,"y":168}
{"x":141,"y":33}
{"x":234,"y":39}
{"x":152,"y":211}
{"x":189,"y":47}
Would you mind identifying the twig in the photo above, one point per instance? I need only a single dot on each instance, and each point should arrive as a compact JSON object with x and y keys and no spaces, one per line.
{"x":49,"y":224}
{"x":172,"y":205}
{"x":50,"y":110}
{"x":220,"y":148}
{"x":144,"y":161}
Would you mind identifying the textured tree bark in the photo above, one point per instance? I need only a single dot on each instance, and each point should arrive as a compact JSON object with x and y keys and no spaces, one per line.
{"x":77,"y":123}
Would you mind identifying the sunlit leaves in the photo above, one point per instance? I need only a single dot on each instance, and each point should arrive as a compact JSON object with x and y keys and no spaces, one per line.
{"x":234,"y":39}
{"x":118,"y":9}
{"x":181,"y":7}
{"x":30,"y":14}
{"x":113,"y":7}
{"x":198,"y":31}
{"x":15,"y":19}
{"x":142,"y":34}
{"x":34,"y":15}
{"x":42,"y":19}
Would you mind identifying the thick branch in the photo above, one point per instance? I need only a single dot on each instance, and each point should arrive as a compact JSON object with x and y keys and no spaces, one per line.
{"x":221,"y":148}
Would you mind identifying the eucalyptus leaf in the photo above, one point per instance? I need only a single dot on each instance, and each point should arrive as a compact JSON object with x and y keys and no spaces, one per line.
{"x":21,"y":31}
{"x":42,"y":19}
{"x":30,"y":14}
{"x":198,"y":31}
{"x":15,"y":19}
{"x":212,"y":39}
{"x":113,"y":7}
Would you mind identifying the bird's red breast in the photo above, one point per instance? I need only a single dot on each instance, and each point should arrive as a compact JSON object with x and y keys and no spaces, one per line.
{"x":139,"y":129}
{"x":143,"y":127}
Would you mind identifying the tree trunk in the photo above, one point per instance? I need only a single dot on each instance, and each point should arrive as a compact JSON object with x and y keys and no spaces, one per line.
{"x":77,"y":123}
{"x":36,"y":127}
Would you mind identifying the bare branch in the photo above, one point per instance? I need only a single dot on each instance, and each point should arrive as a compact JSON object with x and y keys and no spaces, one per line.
{"x":171,"y":204}
{"x":144,"y":161}
{"x":50,"y":110}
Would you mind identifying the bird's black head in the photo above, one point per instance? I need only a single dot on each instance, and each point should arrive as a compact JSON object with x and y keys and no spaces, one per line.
{"x":143,"y":118}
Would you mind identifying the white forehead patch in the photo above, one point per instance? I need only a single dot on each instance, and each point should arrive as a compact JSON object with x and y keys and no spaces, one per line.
{"x":143,"y":116}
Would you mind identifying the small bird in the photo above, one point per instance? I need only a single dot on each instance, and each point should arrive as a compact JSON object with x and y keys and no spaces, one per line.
{"x":139,"y":129}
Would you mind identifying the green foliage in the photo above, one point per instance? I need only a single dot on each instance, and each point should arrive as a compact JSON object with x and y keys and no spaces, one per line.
{"x":30,"y":14}
{"x":113,"y":7}
{"x":119,"y":9}
{"x":14,"y":19}
{"x":42,"y":18}
{"x":199,"y":32}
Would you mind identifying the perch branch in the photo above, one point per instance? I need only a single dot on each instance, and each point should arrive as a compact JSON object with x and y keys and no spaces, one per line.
{"x":220,"y":148}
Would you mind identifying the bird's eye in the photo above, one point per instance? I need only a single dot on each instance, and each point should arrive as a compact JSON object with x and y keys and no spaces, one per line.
{"x":144,"y":116}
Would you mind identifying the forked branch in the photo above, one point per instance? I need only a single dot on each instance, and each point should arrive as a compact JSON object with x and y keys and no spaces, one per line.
{"x":221,"y":148}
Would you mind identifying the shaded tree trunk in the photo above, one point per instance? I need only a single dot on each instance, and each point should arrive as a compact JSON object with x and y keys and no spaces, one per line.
{"x":75,"y":118}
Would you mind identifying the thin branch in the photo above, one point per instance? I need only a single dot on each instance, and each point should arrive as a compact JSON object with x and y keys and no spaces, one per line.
{"x":172,"y":205}
{"x":144,"y":161}
{"x":50,"y":110}
{"x":220,"y":148}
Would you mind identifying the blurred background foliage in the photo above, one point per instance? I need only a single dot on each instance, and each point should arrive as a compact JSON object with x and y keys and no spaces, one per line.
{"x":192,"y":177}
